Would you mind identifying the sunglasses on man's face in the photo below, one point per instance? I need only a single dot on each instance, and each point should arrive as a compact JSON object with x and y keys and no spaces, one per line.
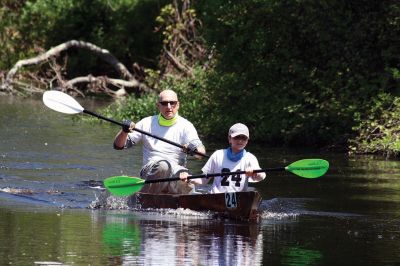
{"x":165,"y":103}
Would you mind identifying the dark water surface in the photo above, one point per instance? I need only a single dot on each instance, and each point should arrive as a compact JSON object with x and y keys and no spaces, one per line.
{"x":48,"y":163}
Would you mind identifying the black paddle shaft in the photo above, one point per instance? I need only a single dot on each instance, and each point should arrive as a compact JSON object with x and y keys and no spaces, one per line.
{"x":141,"y":131}
{"x":278,"y":169}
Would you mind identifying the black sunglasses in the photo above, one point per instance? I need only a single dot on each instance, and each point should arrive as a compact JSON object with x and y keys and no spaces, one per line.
{"x":165,"y":103}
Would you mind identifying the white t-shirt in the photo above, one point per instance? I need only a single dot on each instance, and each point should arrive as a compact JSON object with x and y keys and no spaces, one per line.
{"x":219,"y":162}
{"x":182,"y":132}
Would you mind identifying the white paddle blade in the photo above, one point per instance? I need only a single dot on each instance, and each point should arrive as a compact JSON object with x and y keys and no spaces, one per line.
{"x":61,"y":102}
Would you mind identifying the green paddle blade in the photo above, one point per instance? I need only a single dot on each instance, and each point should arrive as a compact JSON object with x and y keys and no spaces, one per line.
{"x":123,"y":185}
{"x":309,"y":168}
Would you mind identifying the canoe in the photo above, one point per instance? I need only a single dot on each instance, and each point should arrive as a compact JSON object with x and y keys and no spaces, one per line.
{"x":241,"y":206}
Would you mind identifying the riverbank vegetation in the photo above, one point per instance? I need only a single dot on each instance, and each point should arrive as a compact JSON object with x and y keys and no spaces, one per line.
{"x":315,"y":73}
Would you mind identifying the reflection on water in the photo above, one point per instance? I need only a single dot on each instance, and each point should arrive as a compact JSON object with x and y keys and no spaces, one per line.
{"x":130,"y":240}
{"x":300,"y":256}
{"x":80,"y":237}
{"x":51,"y":165}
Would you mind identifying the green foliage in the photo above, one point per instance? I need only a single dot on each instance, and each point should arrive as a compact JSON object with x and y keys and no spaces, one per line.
{"x":193,"y":98}
{"x":195,"y":102}
{"x":179,"y":27}
{"x":380,"y":131}
{"x":10,"y":35}
{"x":132,"y":108}
{"x":297,"y":71}
{"x":124,"y":27}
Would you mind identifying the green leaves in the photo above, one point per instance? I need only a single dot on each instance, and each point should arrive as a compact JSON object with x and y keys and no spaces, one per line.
{"x":380,"y":131}
{"x":309,"y":58}
{"x":132,"y":108}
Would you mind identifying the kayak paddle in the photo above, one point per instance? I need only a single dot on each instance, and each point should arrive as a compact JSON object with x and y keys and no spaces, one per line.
{"x":63,"y":103}
{"x":127,"y":185}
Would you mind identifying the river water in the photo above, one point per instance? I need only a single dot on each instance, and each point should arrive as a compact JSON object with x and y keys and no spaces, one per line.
{"x":50,"y":165}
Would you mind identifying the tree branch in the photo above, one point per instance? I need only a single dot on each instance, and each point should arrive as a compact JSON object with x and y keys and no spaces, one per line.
{"x":127,"y":80}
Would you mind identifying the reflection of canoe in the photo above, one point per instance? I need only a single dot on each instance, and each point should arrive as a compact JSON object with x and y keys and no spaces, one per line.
{"x":238,"y":206}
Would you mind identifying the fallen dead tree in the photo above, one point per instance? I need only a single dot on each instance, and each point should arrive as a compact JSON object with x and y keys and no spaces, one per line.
{"x":95,"y":84}
{"x":183,"y":49}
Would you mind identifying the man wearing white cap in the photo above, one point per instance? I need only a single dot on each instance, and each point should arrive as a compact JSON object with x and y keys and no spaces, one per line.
{"x":235,"y":158}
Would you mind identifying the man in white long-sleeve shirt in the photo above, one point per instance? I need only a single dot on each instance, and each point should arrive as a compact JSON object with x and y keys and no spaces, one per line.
{"x":161,"y":159}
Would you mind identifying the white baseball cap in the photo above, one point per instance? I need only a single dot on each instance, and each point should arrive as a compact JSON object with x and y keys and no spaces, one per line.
{"x":239,"y":129}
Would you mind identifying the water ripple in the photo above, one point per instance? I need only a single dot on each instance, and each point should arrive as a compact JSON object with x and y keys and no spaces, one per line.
{"x":45,"y":166}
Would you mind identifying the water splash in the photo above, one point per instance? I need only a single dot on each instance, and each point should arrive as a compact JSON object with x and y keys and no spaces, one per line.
{"x":293,"y":208}
{"x":182,"y":213}
{"x":266,"y":215}
{"x":278,"y":209}
{"x":106,"y":201}
{"x":18,"y":191}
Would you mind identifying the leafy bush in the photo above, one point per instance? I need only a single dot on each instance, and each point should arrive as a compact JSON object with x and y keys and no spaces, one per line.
{"x":297,"y":71}
{"x":11,"y":38}
{"x":192,"y":95}
{"x":132,"y":108}
{"x":124,"y":27}
{"x":380,"y":131}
